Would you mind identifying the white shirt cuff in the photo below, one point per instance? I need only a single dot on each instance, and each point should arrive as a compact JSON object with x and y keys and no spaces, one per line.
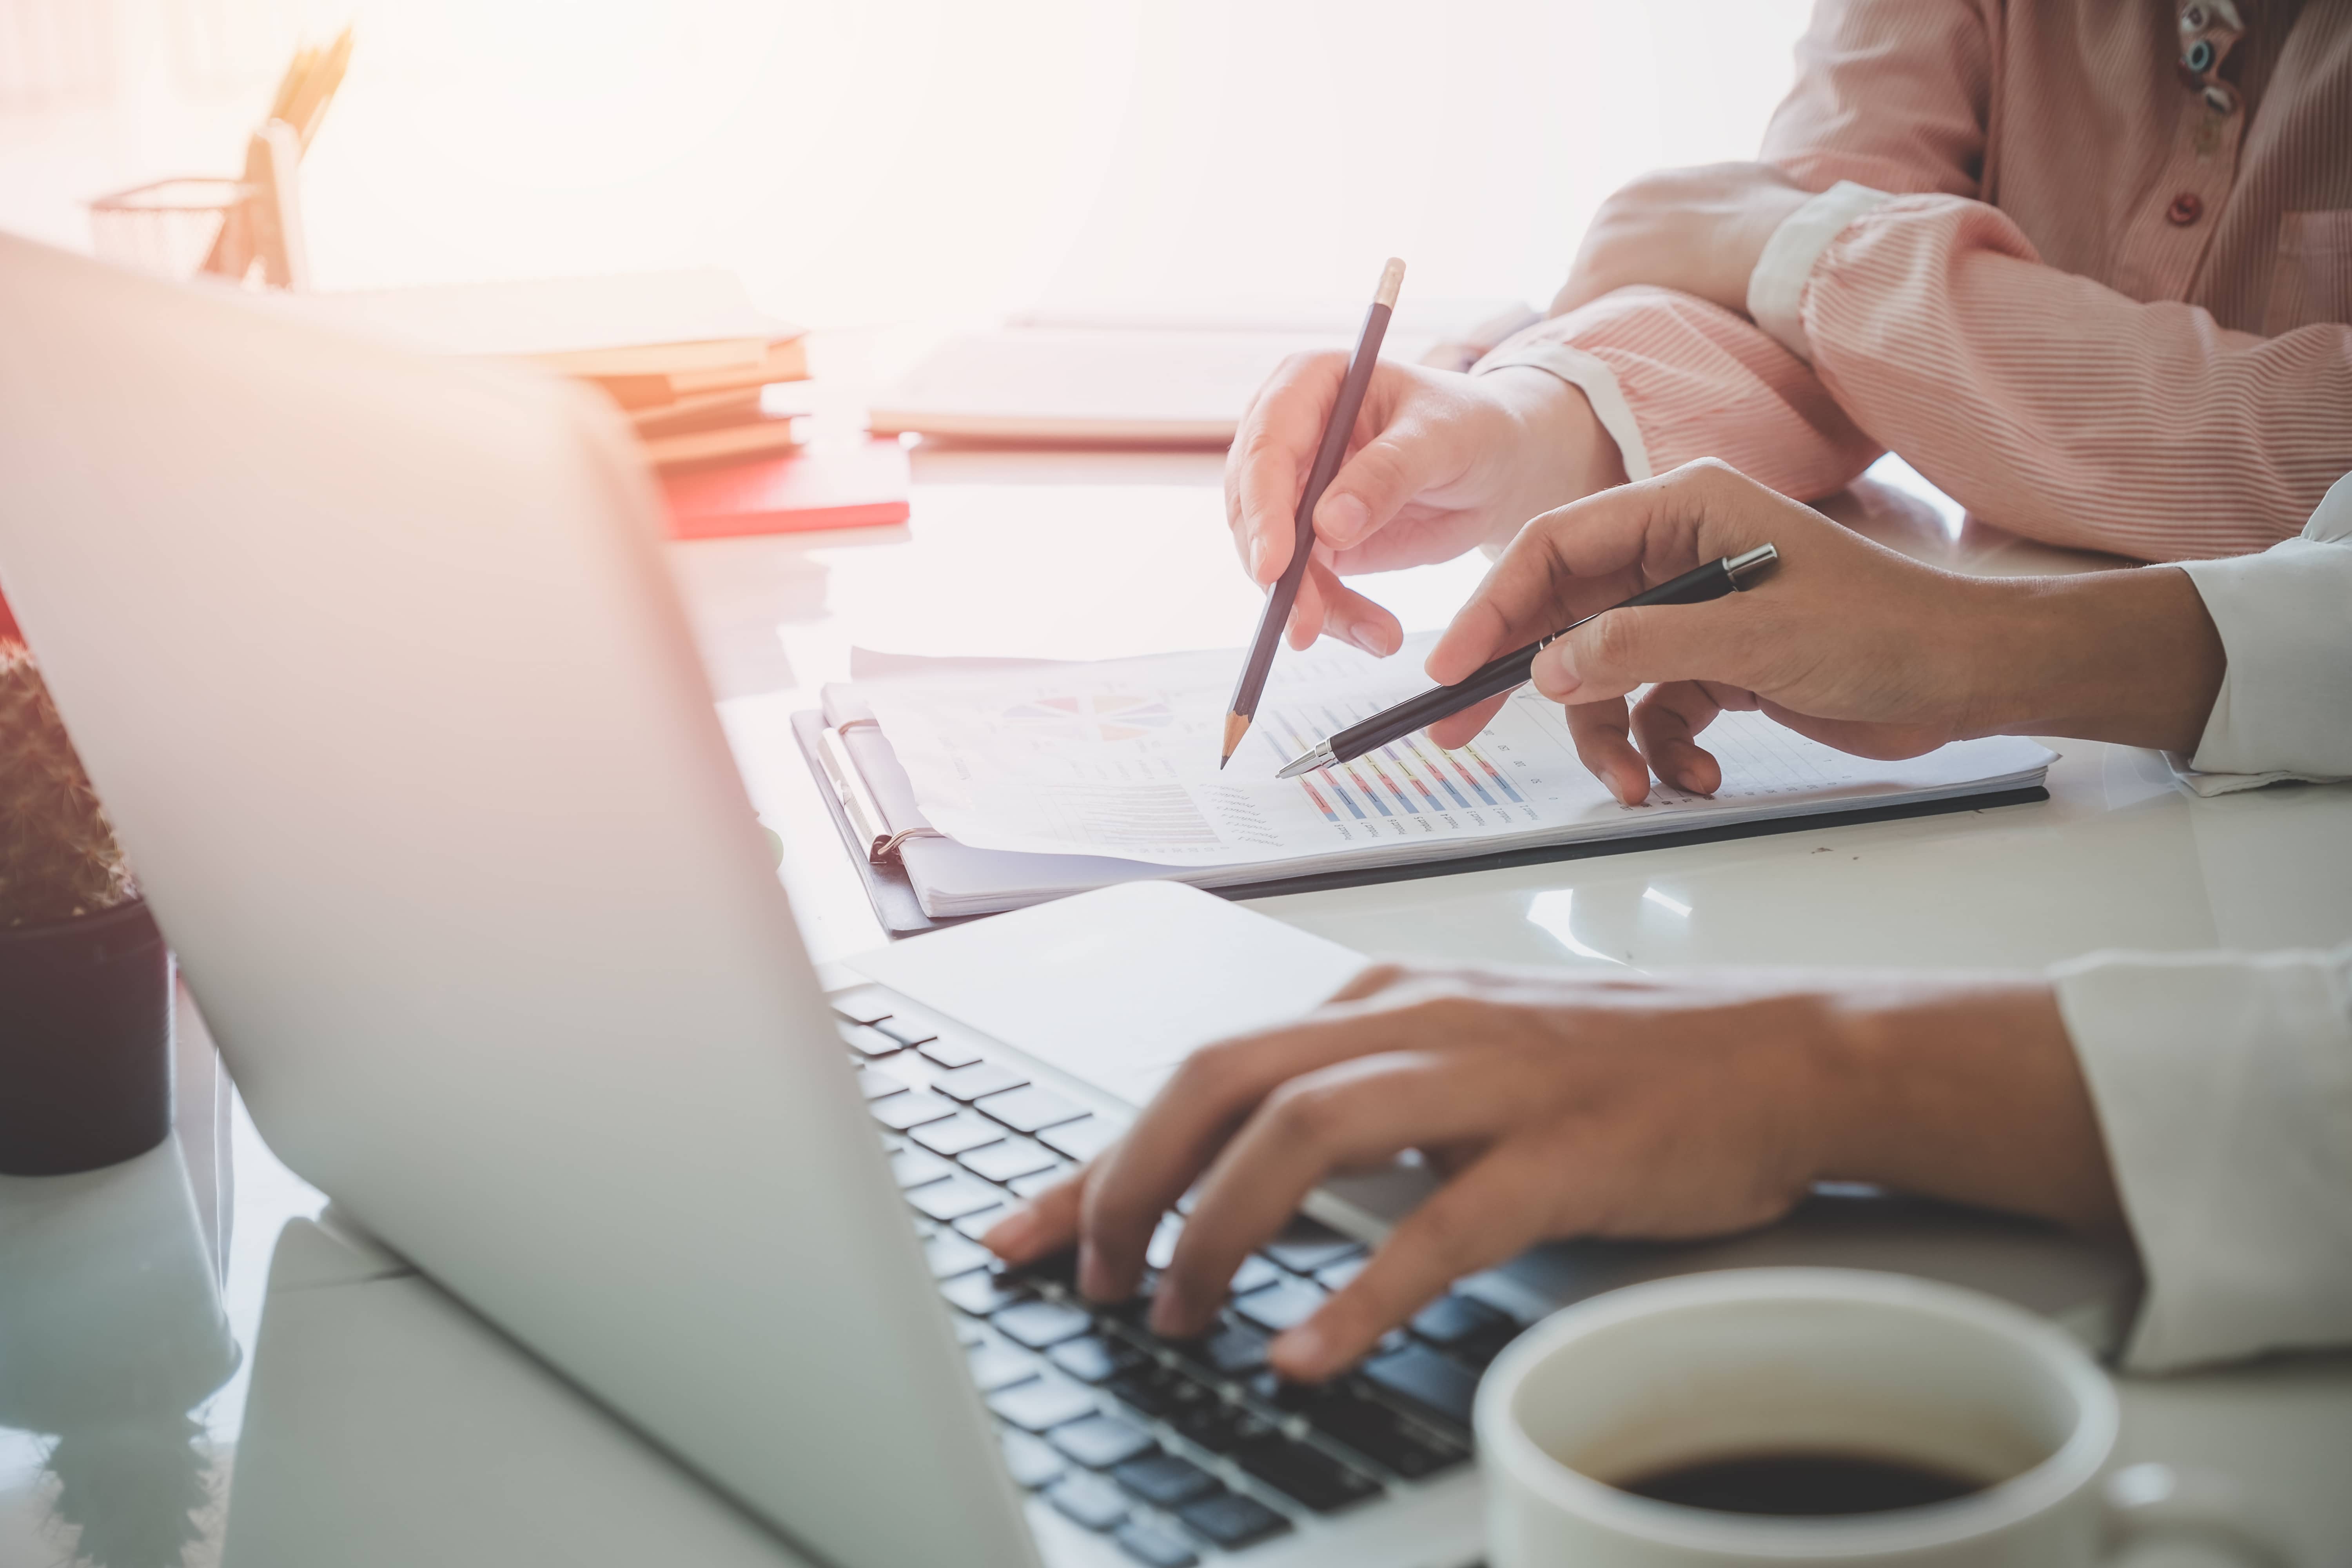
{"x":1776,"y":290}
{"x":1589,"y":376}
{"x":2284,"y":709}
{"x":2223,"y":1086}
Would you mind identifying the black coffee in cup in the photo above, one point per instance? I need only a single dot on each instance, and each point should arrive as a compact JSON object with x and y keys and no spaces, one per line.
{"x":1803,"y":1483}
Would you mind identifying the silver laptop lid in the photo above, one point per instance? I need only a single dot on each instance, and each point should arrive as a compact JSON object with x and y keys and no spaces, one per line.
{"x":376,"y":664}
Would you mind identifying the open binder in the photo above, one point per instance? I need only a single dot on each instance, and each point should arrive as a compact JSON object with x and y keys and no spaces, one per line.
{"x":919,"y":877}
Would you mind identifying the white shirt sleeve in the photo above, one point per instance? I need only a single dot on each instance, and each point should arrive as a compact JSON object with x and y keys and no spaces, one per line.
{"x":1590,"y":374}
{"x":1776,"y":290}
{"x":2223,"y":1085}
{"x":2285,"y":619}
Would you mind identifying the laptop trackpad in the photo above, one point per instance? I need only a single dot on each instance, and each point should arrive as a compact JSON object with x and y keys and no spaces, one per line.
{"x":1117,"y":987}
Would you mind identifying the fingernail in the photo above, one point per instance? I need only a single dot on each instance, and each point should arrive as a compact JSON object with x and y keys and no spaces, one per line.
{"x":1257,"y":560}
{"x":1170,"y":1308}
{"x":1094,"y":1275}
{"x":1342,"y":519}
{"x":1553,"y":675}
{"x":1013,"y":1233}
{"x":1303,"y":1348}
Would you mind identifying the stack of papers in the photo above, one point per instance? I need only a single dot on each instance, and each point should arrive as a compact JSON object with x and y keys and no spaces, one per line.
{"x":1030,"y":783}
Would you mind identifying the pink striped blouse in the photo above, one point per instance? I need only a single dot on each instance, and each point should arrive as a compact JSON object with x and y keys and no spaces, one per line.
{"x":2107,"y":306}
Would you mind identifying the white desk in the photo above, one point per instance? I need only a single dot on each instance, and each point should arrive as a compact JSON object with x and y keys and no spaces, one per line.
{"x":386,"y":1425}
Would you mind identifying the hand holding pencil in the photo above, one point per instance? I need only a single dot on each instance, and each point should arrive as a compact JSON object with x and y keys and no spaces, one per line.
{"x":1337,"y":426}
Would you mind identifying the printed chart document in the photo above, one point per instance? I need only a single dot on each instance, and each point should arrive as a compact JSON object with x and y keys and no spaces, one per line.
{"x":1117,"y":761}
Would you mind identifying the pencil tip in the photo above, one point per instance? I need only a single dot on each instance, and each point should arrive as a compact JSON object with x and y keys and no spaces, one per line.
{"x":1236,"y":726}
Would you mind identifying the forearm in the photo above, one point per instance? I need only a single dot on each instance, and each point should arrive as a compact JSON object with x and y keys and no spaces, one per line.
{"x":2062,"y":409}
{"x":1964,"y":1089}
{"x":2128,"y":656}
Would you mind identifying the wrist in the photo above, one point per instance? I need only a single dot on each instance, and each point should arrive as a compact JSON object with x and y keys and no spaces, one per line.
{"x":1963,"y":1088}
{"x":1564,"y":454}
{"x":2129,"y":656}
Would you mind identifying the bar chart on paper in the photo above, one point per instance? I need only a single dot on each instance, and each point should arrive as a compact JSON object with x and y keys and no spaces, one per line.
{"x":1120,"y":760}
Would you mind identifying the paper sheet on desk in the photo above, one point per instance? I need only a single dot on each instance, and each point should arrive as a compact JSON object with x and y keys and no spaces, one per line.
{"x":1120,"y":759}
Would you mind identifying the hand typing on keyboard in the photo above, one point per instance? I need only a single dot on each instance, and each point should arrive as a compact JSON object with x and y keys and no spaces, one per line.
{"x":1559,"y":1105}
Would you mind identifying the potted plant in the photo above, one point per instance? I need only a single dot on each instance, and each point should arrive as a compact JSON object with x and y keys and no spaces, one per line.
{"x":85,"y":980}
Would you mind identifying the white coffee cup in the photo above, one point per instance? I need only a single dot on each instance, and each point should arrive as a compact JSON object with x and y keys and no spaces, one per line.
{"x":1765,"y":1361}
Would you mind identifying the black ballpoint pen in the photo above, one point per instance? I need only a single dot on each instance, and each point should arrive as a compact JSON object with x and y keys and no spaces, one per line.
{"x":1713,"y":581}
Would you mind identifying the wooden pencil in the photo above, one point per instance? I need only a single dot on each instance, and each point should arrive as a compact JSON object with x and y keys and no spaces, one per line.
{"x":1285,"y":592}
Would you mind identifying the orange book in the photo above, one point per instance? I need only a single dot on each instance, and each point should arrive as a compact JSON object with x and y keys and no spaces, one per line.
{"x":860,"y":486}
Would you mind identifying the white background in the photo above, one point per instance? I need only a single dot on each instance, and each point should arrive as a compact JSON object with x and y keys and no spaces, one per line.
{"x":876,"y":161}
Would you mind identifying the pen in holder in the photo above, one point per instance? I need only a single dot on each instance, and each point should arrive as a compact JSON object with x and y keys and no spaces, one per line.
{"x":181,"y":227}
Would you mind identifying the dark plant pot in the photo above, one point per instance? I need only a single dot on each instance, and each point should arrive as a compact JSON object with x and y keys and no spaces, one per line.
{"x":85,"y":1042}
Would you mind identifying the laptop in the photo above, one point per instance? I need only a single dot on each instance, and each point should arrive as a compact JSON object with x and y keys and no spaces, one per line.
{"x":377,"y":665}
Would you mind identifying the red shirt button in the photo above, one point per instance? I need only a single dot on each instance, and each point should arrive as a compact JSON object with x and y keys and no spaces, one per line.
{"x":2185,"y":209}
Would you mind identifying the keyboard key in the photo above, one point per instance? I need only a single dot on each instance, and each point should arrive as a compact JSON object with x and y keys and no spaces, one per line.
{"x":903,"y":1031}
{"x":867,"y":1009}
{"x":874,"y":1083}
{"x":1081,"y":1140}
{"x":1232,"y":1521}
{"x":1234,"y":1351}
{"x":913,"y":1167}
{"x":1099,"y":1442}
{"x":1041,"y":1324}
{"x":1155,"y":1390}
{"x":1274,"y":1309}
{"x":1164,"y":1480}
{"x":968,"y":1083}
{"x":1452,"y":1319}
{"x":1089,"y":1500}
{"x":1032,"y":1460}
{"x":949,"y":1054}
{"x":1154,"y":1545}
{"x":912,"y":1109}
{"x":1255,"y":1274}
{"x":1338,"y":1276}
{"x":1007,"y":1160}
{"x":954,"y":1198}
{"x":1030,"y":1109}
{"x":1305,"y":1475}
{"x":1161,"y":1250}
{"x":1353,"y":1419}
{"x":1427,"y":1379}
{"x":1306,"y":1246}
{"x":951,"y":1255}
{"x":1094,"y":1359}
{"x":1054,"y":1269}
{"x":869,"y":1042}
{"x":967,"y":1333}
{"x":981,"y":1293}
{"x":957,"y":1134}
{"x":1473,"y":1330}
{"x":999,"y":1366}
{"x":1027,"y":1187}
{"x":1215,"y":1426}
{"x":978,"y":1223}
{"x":1047,"y":1401}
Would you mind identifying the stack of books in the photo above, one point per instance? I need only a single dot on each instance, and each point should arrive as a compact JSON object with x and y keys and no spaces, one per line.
{"x":686,"y":355}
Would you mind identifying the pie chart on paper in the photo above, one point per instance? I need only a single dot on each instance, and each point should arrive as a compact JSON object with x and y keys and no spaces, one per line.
{"x":1095,"y":718}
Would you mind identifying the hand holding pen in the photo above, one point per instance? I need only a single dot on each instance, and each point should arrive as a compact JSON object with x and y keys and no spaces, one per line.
{"x":1848,"y":643}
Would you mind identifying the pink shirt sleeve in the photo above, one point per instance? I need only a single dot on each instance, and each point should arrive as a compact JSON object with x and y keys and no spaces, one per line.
{"x":2062,"y":409}
{"x":1891,"y":94}
{"x":1674,"y":378}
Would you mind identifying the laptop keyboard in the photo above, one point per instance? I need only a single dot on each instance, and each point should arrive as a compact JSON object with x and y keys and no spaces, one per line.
{"x":1175,"y":1450}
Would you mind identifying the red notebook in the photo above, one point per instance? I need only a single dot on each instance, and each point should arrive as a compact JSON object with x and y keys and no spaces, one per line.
{"x":861,"y":486}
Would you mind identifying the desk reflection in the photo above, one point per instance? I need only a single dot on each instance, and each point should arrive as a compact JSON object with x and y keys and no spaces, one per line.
{"x":112,"y":1335}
